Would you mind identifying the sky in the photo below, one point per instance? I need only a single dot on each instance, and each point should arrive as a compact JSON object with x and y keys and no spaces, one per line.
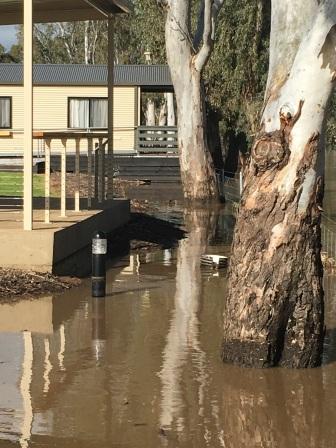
{"x":7,"y":36}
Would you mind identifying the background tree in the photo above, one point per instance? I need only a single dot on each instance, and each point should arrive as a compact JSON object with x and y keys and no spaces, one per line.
{"x":274,"y":312}
{"x":235,"y":77}
{"x":6,"y":56}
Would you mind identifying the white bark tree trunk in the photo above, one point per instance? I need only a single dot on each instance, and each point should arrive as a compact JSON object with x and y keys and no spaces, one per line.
{"x":186,"y":60}
{"x":171,"y":120}
{"x":274,"y":312}
{"x":163,"y":114}
{"x":66,"y":44}
{"x":150,"y":113}
{"x":86,"y":42}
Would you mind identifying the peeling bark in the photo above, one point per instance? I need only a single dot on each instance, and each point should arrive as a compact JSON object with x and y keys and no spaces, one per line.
{"x":275,"y":310}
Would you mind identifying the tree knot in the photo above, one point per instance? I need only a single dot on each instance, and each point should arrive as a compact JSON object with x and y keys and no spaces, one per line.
{"x":270,"y":150}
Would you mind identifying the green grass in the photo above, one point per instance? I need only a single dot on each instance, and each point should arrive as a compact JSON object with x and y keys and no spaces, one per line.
{"x":11,"y":184}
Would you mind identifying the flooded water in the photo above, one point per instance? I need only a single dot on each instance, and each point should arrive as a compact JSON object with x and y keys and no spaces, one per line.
{"x":141,"y":368}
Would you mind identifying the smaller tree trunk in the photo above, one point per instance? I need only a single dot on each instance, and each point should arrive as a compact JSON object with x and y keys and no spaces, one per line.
{"x":187,"y":58}
{"x":195,"y":157}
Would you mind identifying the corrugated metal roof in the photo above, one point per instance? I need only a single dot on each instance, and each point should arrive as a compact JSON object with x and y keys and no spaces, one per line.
{"x":88,"y":75}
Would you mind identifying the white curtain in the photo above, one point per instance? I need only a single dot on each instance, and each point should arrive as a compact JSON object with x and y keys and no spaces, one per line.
{"x":98,"y":115}
{"x":79,"y":113}
{"x":5,"y":112}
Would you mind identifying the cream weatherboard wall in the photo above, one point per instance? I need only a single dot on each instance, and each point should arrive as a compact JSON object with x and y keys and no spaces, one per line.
{"x":51,"y":113}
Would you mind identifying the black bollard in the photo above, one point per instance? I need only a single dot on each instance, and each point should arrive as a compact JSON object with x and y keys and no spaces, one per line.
{"x":99,"y":250}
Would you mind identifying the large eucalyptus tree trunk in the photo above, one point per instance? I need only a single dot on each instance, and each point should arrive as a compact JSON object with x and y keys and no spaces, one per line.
{"x":274,"y":312}
{"x":187,"y":57}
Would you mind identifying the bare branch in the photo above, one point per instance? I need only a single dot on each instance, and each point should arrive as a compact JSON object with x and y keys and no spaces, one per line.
{"x":211,"y":11}
{"x":63,"y":35}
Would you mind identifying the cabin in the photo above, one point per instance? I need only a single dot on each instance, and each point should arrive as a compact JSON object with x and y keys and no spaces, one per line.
{"x":47,"y":233}
{"x":72,"y":98}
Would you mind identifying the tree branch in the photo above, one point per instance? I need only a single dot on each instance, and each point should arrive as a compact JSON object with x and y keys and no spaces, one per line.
{"x":211,"y":11}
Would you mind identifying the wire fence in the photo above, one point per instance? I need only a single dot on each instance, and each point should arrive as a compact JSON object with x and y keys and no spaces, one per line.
{"x":328,"y":240}
{"x":230,"y":186}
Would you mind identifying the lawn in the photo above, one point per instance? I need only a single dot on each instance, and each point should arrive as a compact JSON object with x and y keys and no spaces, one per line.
{"x":11,"y":184}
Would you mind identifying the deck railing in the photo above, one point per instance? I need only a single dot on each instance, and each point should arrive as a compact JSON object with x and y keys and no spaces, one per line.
{"x":82,"y":153}
{"x":95,"y":154}
{"x":156,"y":139}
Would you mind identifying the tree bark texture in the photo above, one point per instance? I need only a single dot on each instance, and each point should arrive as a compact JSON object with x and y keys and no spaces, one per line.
{"x":275,"y":311}
{"x":186,"y":64}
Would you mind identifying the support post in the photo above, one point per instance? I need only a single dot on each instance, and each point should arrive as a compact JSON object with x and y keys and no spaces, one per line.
{"x":101,"y":171}
{"x":28,"y":116}
{"x":47,"y":182}
{"x":63,"y":178}
{"x":77,"y":174}
{"x":110,"y":83}
{"x":89,"y":181}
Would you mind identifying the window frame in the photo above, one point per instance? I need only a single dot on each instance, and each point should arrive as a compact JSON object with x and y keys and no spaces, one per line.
{"x":10,"y":98}
{"x":89,"y":98}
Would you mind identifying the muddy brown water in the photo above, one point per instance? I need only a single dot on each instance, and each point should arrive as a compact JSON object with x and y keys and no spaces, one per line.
{"x":141,"y":368}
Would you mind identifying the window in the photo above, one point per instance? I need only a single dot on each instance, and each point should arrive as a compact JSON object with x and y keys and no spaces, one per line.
{"x":5,"y":112}
{"x":85,"y":113}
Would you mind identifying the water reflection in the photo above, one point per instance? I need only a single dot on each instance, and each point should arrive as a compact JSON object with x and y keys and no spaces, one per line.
{"x":25,"y":383}
{"x":279,"y":408}
{"x":47,"y":366}
{"x":183,"y":337}
{"x":98,"y":327}
{"x":142,"y":367}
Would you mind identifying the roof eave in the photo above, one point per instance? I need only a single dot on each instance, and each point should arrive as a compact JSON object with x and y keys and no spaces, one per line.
{"x":111,"y":6}
{"x":125,"y":5}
